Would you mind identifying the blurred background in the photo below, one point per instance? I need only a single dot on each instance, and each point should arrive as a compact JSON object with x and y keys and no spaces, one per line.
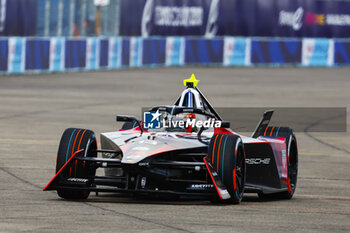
{"x":61,"y":35}
{"x":66,"y":18}
{"x":271,"y":18}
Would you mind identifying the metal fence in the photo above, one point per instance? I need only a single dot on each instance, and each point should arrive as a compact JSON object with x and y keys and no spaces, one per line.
{"x":74,"y":18}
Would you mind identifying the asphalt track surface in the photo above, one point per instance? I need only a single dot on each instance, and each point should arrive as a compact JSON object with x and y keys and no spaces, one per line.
{"x":35,"y":110}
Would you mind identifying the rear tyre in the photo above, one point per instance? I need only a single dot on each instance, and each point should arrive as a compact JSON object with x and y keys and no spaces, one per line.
{"x":73,"y":140}
{"x":292,"y":148}
{"x":226,"y":153}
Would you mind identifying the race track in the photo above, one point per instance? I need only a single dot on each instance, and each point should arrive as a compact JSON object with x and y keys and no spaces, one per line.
{"x":36,"y":109}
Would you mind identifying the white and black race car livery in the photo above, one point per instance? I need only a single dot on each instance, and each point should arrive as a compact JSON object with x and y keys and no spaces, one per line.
{"x":185,"y":149}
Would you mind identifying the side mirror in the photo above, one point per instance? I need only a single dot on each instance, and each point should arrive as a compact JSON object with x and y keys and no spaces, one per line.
{"x":126,"y":118}
{"x":225,"y":124}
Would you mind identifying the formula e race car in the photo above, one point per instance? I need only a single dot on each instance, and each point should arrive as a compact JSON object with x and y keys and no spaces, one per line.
{"x":185,"y":149}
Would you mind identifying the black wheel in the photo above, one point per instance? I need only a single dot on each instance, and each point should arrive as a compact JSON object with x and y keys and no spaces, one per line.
{"x":292,"y":148}
{"x":73,"y":140}
{"x":227,"y":155}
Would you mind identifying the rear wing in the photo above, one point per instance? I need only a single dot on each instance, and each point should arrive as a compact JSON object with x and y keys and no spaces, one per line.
{"x":263,"y":123}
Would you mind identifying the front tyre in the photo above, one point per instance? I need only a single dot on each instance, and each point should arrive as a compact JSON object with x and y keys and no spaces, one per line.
{"x":73,"y":140}
{"x":226,"y":153}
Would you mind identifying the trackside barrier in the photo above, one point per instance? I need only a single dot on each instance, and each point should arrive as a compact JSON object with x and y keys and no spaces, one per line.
{"x":57,"y":54}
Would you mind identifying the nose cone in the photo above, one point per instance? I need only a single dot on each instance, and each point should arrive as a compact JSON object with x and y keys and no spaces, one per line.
{"x":149,"y":145}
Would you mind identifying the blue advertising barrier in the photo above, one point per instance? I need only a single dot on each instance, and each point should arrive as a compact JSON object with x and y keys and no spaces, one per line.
{"x":175,"y":49}
{"x":57,"y":49}
{"x":57,"y":54}
{"x":276,"y":51}
{"x":92,"y":54}
{"x":37,"y":55}
{"x":4,"y":49}
{"x":114,"y":54}
{"x":204,"y":51}
{"x":342,"y":52}
{"x":104,"y":53}
{"x":153,"y":51}
{"x":135,"y":52}
{"x":16,"y":55}
{"x":236,"y":51}
{"x":318,"y":52}
{"x":125,"y":56}
{"x":75,"y":54}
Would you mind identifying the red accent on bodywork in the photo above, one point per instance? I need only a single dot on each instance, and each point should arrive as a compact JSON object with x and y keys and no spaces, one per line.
{"x":212,"y":178}
{"x":222,"y":131}
{"x":54,"y":178}
{"x":190,"y":115}
{"x":136,"y":129}
{"x":161,"y":149}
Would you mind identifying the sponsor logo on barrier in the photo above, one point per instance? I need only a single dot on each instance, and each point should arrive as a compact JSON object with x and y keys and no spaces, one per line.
{"x":175,"y":51}
{"x":135,"y":52}
{"x":179,"y":16}
{"x":295,"y":19}
{"x":312,"y":18}
{"x":213,"y":16}
{"x":57,"y":54}
{"x":114,"y":54}
{"x":292,"y":19}
{"x":2,"y":14}
{"x":318,"y":52}
{"x":101,"y":2}
{"x":92,"y":53}
{"x":236,"y":51}
{"x":338,"y":20}
{"x":327,"y":19}
{"x":16,"y":56}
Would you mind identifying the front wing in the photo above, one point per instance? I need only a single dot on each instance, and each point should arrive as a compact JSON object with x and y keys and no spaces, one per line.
{"x":209,"y":187}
